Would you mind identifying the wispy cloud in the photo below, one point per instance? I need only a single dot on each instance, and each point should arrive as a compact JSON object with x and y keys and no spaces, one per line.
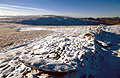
{"x":21,"y":10}
{"x":14,"y":10}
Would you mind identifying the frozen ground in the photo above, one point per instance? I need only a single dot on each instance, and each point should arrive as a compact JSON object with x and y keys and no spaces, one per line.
{"x":83,"y":52}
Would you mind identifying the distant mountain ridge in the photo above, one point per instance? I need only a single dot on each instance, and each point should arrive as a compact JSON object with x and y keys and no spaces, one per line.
{"x":59,"y":20}
{"x":107,"y":20}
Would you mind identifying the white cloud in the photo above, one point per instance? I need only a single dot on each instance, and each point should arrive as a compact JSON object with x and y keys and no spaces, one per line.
{"x":20,"y":10}
{"x":14,"y":10}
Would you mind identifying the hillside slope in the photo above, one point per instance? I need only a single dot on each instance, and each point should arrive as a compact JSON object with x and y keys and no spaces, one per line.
{"x":48,"y":20}
{"x":86,"y":52}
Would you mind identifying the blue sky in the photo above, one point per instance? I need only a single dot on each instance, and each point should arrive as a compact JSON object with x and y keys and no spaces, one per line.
{"x":78,"y":8}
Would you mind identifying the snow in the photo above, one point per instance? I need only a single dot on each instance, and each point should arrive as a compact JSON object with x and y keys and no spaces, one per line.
{"x":83,"y":52}
{"x":31,"y":29}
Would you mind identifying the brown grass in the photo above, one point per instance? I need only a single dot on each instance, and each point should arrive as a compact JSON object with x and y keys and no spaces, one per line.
{"x":10,"y":36}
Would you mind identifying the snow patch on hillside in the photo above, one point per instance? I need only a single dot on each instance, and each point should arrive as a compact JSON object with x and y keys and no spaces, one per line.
{"x":83,"y":52}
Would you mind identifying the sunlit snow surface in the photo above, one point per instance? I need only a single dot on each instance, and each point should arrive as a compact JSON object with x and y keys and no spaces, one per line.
{"x":89,"y":52}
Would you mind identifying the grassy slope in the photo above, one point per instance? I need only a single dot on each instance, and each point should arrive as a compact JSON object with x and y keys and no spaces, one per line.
{"x":10,"y":36}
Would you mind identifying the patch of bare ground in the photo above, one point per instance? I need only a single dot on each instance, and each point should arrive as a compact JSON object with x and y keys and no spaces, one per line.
{"x":10,"y":36}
